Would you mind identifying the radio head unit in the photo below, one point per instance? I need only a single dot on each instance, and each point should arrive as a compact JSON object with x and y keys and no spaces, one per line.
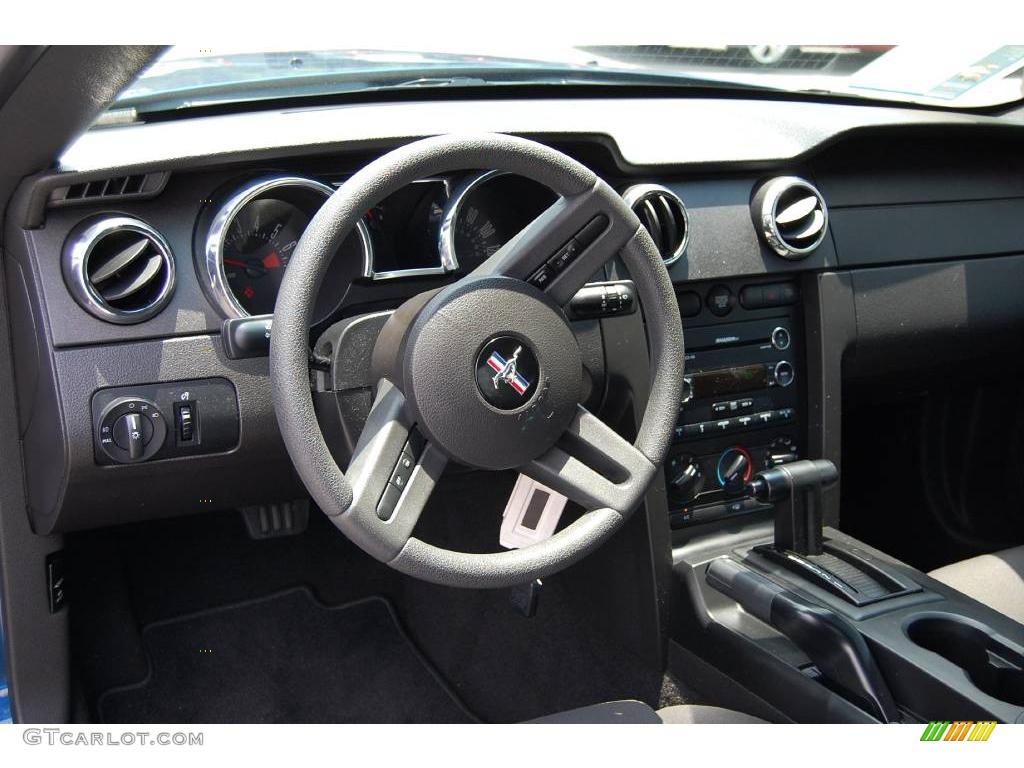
{"x":741,"y":410}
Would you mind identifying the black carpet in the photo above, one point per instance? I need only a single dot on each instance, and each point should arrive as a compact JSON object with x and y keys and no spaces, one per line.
{"x":284,"y":658}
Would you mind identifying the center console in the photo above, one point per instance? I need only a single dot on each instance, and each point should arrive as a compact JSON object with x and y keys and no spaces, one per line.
{"x":775,"y":612}
{"x":743,"y":406}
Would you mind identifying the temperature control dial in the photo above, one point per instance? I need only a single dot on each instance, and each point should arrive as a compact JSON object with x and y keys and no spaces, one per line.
{"x":734,"y":469}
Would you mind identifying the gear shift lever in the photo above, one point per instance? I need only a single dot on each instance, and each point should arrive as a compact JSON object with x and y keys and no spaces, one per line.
{"x":796,"y":491}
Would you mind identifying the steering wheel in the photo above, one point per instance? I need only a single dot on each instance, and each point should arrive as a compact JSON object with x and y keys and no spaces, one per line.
{"x":485,"y":371}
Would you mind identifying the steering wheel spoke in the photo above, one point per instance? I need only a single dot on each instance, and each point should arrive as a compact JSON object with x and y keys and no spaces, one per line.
{"x":563,"y":248}
{"x":393,"y":473}
{"x":593,"y":465}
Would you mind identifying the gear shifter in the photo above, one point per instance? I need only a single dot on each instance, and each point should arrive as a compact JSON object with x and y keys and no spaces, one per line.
{"x":796,"y":491}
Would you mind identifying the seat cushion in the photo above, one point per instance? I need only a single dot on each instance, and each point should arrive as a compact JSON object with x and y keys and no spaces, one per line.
{"x":628,"y":712}
{"x":636,"y":712}
{"x":703,"y":715}
{"x":997,"y":580}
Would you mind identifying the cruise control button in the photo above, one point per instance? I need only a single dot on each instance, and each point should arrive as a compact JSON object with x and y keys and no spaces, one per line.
{"x":400,"y":477}
{"x":406,"y":461}
{"x":542,"y":277}
{"x":388,"y":502}
{"x":564,"y":256}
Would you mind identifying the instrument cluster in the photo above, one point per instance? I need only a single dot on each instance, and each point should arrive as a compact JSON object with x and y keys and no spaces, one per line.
{"x":433,"y":227}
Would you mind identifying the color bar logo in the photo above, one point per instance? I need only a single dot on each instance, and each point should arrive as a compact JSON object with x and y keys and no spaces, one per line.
{"x":959,"y":730}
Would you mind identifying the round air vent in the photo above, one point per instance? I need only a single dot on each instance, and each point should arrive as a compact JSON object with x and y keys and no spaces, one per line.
{"x":119,"y":269}
{"x":663,"y":215}
{"x":791,"y":216}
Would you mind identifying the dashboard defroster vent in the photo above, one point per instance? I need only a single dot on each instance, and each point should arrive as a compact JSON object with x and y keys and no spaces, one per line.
{"x":135,"y":185}
{"x":663,"y":215}
{"x":119,"y":269}
{"x":791,"y":216}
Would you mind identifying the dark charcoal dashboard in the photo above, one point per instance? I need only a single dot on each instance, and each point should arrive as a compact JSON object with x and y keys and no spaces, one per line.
{"x":872,"y":246}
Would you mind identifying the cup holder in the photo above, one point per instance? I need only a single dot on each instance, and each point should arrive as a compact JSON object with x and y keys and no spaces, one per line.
{"x":992,"y":666}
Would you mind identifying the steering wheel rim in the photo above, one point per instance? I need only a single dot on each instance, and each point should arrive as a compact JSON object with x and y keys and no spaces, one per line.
{"x":402,"y":403}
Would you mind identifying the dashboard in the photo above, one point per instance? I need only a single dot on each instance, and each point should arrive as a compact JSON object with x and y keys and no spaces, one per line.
{"x":808,"y":250}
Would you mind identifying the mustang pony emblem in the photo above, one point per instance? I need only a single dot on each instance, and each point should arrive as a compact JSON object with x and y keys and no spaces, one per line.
{"x":506,"y":371}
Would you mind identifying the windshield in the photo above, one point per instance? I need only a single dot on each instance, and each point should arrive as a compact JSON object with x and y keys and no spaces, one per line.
{"x":955,"y":76}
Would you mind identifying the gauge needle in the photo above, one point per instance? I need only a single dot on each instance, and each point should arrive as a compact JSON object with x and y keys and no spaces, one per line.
{"x":235,"y":263}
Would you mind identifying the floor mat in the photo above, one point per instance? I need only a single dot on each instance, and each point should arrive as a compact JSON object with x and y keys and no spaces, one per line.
{"x":284,"y":658}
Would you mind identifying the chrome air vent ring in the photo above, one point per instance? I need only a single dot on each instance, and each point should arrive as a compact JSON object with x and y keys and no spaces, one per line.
{"x":791,"y":216}
{"x":663,"y":214}
{"x":119,"y":269}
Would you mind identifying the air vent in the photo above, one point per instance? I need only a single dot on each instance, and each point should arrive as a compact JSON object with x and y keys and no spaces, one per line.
{"x":119,"y":269}
{"x":791,"y":216}
{"x":113,"y":188}
{"x":663,"y":215}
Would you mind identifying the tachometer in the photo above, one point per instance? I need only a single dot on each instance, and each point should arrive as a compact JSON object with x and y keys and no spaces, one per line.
{"x":251,"y":240}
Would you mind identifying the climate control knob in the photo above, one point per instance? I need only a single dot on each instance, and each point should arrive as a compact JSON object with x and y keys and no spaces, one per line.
{"x":685,"y":479}
{"x":734,"y":469}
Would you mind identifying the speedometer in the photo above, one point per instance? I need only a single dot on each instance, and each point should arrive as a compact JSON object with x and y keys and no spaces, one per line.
{"x":487,"y":211}
{"x":252,"y":238}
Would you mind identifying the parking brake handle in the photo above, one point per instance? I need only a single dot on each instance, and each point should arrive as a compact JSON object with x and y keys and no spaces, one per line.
{"x":830,"y":641}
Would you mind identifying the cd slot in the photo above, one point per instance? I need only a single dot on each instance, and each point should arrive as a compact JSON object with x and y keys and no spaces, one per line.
{"x":755,"y":332}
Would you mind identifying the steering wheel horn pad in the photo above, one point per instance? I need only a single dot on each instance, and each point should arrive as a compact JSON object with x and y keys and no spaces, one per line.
{"x":447,"y":394}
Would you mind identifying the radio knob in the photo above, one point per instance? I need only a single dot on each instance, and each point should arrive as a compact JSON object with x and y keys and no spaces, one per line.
{"x":687,"y":394}
{"x":685,"y":479}
{"x":781,"y":338}
{"x":783,"y":373}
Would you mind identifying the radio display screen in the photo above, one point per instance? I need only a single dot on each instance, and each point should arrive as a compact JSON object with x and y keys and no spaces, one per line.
{"x":730,"y":381}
